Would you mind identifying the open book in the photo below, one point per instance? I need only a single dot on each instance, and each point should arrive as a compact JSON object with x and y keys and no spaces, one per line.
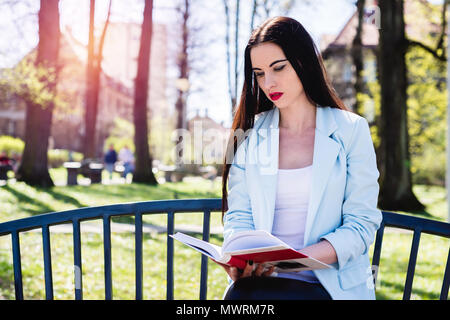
{"x":257,"y":245}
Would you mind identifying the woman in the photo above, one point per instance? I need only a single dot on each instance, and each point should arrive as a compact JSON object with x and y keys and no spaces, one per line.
{"x":304,"y":170}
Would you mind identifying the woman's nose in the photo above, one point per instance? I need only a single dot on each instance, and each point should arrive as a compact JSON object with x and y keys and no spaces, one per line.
{"x":269,"y":82}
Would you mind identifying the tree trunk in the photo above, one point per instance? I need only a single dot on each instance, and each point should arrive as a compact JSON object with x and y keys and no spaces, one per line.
{"x":143,"y":168}
{"x":93,"y":84}
{"x":33,"y":169}
{"x":228,"y":47}
{"x":236,"y":57}
{"x":395,"y":180}
{"x":357,"y":56}
{"x":183,"y":64}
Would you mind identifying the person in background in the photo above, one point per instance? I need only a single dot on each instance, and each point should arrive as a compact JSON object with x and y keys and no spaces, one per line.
{"x":110,"y":160}
{"x":127,"y":158}
{"x":4,"y":159}
{"x":5,"y":165}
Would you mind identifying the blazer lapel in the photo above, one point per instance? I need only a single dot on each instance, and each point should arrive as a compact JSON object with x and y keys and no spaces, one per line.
{"x":264,"y":154}
{"x":326,"y":151}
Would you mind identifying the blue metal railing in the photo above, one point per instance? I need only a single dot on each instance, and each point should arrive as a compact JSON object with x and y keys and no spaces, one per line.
{"x":172,"y":207}
{"x":419,"y":226}
{"x":138,"y":209}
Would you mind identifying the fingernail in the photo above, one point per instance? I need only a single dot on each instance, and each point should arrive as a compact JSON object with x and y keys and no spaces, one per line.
{"x":250,"y":262}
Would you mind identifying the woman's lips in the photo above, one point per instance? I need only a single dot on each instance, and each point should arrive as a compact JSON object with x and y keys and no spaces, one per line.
{"x":276,"y":95}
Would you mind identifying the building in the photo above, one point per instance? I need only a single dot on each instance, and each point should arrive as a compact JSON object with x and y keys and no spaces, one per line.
{"x":336,"y":52}
{"x":209,"y":137}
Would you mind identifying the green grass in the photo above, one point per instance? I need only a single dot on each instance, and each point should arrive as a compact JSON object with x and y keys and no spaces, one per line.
{"x":19,"y":200}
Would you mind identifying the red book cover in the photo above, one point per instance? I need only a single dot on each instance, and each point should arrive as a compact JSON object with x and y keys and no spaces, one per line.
{"x":256,"y":245}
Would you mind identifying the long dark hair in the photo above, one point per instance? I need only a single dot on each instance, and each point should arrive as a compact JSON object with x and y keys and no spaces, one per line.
{"x":300,"y":50}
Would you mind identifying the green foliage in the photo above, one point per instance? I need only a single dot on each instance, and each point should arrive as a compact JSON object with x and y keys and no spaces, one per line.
{"x":427,"y":106}
{"x":161,"y":145}
{"x":11,"y":145}
{"x":32,"y":83}
{"x":121,"y":134}
{"x":56,"y":157}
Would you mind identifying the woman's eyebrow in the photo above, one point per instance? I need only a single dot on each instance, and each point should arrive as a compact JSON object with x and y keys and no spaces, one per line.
{"x":276,"y":61}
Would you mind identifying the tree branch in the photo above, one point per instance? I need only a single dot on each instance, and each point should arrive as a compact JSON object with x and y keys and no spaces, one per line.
{"x":440,"y":44}
{"x":434,"y":52}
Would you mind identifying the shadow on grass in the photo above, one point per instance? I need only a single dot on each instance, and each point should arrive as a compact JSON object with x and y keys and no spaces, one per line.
{"x":400,"y":288}
{"x":23,"y":198}
{"x":124,"y":192}
{"x":62,"y":197}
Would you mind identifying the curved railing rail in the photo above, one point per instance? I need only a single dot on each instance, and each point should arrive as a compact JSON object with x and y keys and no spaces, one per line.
{"x":172,"y":207}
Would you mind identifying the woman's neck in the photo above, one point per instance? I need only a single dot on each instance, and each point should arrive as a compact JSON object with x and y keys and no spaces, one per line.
{"x":298,"y":118}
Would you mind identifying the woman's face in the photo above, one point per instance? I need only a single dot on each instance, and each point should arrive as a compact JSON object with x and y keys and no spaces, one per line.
{"x":275,"y":75}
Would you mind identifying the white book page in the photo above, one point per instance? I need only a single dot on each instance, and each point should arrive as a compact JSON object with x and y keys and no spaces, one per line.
{"x":252,"y":239}
{"x":209,"y":249}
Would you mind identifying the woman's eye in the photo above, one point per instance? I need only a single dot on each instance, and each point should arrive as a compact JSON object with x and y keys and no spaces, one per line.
{"x":276,"y":69}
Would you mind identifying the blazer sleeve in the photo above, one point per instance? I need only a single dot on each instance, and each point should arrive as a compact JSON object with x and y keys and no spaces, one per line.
{"x":239,"y":216}
{"x":360,"y":216}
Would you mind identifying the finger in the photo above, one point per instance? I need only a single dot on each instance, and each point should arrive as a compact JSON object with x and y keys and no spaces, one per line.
{"x":224,"y":266}
{"x":269,"y":272}
{"x":248,"y":270}
{"x":259,"y":270}
{"x":234,"y":273}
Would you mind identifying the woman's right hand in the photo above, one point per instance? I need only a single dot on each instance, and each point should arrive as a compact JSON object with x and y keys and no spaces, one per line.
{"x":250,"y":269}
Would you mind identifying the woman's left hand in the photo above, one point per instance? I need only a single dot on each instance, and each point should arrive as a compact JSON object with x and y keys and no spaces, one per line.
{"x":257,"y":271}
{"x":248,"y":271}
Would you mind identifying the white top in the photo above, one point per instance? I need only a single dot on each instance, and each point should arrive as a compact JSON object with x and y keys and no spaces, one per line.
{"x":291,"y":209}
{"x":126,"y":155}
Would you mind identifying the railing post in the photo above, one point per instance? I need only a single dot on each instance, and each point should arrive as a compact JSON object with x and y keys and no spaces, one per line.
{"x":377,"y":253}
{"x":47,"y":262}
{"x":138,"y":255}
{"x":446,"y":281}
{"x":204,"y":263}
{"x":170,"y":230}
{"x":412,"y":264}
{"x":78,"y":271}
{"x":17,"y":266}
{"x":107,"y":257}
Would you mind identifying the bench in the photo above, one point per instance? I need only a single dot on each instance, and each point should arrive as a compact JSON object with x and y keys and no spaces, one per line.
{"x":92,"y":170}
{"x":72,"y":172}
{"x":4,"y":168}
{"x":172,"y":207}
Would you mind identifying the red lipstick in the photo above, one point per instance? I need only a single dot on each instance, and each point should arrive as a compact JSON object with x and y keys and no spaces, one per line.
{"x":275,"y":95}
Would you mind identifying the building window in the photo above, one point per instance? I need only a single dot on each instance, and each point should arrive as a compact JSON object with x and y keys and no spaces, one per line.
{"x":347,"y":72}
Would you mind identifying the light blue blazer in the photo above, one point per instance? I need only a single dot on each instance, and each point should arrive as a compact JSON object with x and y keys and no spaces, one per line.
{"x":343,"y":199}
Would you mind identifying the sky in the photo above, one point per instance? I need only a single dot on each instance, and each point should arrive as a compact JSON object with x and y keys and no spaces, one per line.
{"x":18,"y":26}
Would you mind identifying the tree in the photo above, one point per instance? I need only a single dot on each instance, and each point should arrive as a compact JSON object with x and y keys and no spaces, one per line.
{"x":183,"y":67}
{"x":93,"y":83}
{"x":143,"y":168}
{"x":395,"y":180}
{"x":33,"y":169}
{"x":357,"y":55}
{"x":395,"y":169}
